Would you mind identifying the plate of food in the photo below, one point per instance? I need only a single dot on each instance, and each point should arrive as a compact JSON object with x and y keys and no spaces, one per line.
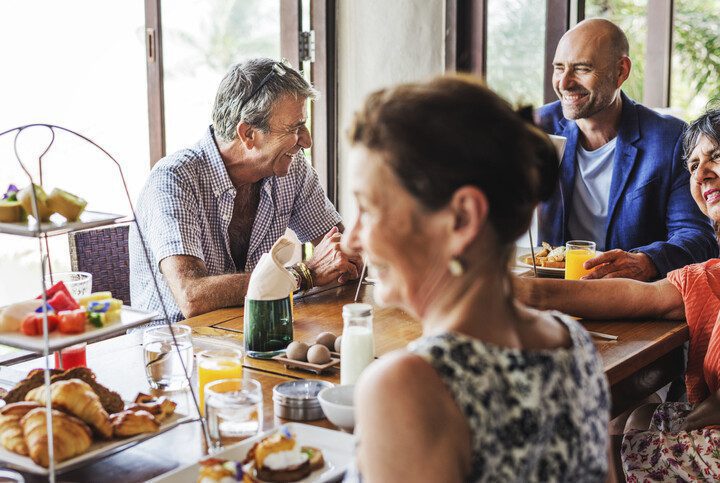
{"x":293,"y":452}
{"x":59,"y":212}
{"x":90,"y":421}
{"x":70,"y":320}
{"x":550,"y":261}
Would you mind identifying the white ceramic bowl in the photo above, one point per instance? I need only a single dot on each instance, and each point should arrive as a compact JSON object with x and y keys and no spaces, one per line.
{"x":337,"y":404}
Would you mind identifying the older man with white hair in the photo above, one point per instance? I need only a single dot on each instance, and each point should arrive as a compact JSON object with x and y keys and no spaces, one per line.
{"x":209,"y":212}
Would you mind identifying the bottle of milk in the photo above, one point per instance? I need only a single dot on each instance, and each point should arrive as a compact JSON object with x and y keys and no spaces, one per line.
{"x":357,"y":349}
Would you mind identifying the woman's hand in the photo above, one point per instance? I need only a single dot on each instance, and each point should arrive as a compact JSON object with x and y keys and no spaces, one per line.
{"x":602,"y":299}
{"x":707,"y":413}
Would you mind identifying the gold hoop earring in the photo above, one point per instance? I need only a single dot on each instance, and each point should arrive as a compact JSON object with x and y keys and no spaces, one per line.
{"x":456,"y":267}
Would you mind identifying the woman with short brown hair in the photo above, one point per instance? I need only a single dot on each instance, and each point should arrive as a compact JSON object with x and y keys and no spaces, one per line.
{"x":446,"y":176}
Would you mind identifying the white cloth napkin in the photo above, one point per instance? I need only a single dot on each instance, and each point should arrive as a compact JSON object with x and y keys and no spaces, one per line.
{"x":270,"y":280}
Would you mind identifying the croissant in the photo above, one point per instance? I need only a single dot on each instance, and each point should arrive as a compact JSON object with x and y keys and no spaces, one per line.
{"x":77,"y":398}
{"x":19,"y":408}
{"x":130,"y":423}
{"x":71,"y":436}
{"x":11,"y":435}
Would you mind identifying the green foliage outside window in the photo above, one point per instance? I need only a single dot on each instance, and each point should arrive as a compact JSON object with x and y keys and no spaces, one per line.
{"x":516,"y":38}
{"x":695,"y":64}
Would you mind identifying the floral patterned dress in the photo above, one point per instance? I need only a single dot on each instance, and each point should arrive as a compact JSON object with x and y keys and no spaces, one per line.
{"x":534,"y":415}
{"x":665,"y":453}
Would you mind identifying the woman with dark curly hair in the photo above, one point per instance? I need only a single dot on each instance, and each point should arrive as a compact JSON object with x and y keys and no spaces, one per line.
{"x":673,"y":441}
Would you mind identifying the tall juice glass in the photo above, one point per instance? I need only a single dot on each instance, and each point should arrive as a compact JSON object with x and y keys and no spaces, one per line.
{"x":577,"y":252}
{"x":214,"y":365}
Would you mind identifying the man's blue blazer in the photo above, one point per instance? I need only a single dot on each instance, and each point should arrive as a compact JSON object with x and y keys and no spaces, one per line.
{"x":650,"y":209}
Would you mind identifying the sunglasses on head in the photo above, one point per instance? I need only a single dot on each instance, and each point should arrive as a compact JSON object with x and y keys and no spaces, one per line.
{"x":278,"y":68}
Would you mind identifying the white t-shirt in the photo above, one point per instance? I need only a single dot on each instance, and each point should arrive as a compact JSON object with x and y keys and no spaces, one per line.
{"x":589,"y":210}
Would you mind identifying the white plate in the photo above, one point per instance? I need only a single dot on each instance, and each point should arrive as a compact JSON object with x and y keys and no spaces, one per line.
{"x":58,"y":225}
{"x":337,"y":448}
{"x":98,"y":449}
{"x":544,"y":271}
{"x":129,"y":318}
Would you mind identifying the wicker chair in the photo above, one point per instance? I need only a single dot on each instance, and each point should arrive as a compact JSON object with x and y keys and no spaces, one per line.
{"x":104,"y":252}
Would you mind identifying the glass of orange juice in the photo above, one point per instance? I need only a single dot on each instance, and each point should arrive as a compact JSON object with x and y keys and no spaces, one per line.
{"x":214,"y":365}
{"x":577,"y":252}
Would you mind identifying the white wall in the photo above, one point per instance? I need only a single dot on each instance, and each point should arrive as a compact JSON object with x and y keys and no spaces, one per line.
{"x":381,"y":43}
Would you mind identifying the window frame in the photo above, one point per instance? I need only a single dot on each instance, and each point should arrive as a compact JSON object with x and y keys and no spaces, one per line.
{"x":463,"y":16}
{"x":323,"y":15}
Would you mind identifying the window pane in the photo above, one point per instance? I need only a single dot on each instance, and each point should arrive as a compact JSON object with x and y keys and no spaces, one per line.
{"x":516,"y":49}
{"x":201,"y":40}
{"x":80,"y":65}
{"x":696,"y":57}
{"x":631,"y":16}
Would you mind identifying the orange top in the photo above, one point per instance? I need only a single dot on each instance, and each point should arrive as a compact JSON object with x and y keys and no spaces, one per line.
{"x":699,"y":285}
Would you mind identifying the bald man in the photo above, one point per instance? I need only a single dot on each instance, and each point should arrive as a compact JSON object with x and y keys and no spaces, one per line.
{"x":623,"y":183}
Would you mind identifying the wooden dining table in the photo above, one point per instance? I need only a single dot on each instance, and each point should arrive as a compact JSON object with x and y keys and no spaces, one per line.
{"x":646,"y":356}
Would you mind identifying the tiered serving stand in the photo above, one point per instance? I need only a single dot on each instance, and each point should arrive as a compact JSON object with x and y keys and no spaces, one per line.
{"x":42,"y":231}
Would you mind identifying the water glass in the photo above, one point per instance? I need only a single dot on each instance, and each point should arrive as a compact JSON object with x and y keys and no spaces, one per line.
{"x":577,"y":252}
{"x":234,"y":410}
{"x":164,"y":357}
{"x":78,"y":284}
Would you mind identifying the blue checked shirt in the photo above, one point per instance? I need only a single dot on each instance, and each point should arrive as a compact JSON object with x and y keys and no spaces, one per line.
{"x":185,"y":208}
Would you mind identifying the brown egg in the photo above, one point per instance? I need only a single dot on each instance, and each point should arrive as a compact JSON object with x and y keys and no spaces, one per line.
{"x":318,"y":354}
{"x":337,"y":343}
{"x":297,"y":351}
{"x":327,"y":339}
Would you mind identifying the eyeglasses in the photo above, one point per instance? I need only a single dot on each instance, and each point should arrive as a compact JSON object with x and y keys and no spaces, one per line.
{"x":278,"y":68}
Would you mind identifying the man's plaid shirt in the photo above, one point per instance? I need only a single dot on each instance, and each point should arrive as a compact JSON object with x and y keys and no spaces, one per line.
{"x":185,"y":208}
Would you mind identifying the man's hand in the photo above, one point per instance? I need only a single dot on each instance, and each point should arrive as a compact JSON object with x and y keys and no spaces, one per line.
{"x":620,"y":264}
{"x":330,"y":263}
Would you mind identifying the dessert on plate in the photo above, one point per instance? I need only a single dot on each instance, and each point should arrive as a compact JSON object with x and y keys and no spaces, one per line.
{"x":276,"y":458}
{"x":279,"y":458}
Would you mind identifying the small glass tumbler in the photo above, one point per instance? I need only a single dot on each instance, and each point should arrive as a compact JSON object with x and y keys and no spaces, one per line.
{"x":78,"y":284}
{"x":577,"y":252}
{"x":164,"y":357}
{"x":268,"y":327}
{"x":234,"y":410}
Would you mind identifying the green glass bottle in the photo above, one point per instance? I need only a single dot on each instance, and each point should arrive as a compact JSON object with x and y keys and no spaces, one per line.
{"x":268,"y":327}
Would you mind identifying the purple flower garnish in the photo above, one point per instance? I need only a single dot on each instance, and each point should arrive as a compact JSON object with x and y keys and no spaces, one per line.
{"x":48,"y":308}
{"x":239,"y":472}
{"x":11,"y":192}
{"x":286,"y":432}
